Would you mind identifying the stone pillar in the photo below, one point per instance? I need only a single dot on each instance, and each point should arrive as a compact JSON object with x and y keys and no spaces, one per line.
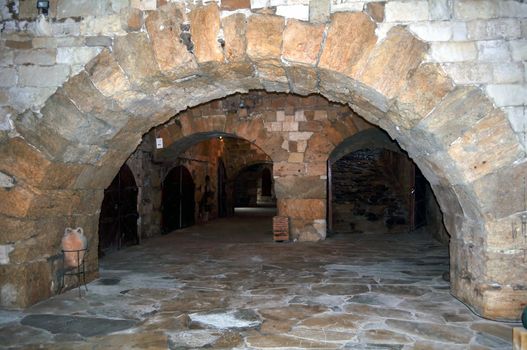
{"x":302,"y":198}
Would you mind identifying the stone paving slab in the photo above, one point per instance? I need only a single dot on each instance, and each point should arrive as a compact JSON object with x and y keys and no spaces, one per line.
{"x":190,"y":289}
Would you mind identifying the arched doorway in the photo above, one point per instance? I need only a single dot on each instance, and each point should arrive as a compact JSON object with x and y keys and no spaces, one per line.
{"x":177,"y":199}
{"x":118,"y":218}
{"x":446,"y":129}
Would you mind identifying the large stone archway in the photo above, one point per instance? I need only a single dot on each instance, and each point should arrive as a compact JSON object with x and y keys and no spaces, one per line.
{"x":62,"y":157}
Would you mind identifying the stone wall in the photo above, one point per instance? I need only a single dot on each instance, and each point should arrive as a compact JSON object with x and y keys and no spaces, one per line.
{"x":59,"y":155}
{"x":368,"y":194}
{"x":477,"y":42}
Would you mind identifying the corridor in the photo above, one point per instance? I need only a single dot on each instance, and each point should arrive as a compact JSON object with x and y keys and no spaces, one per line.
{"x":225,"y":284}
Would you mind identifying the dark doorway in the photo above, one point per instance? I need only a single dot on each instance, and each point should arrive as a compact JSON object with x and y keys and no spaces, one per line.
{"x":267,"y":182}
{"x":369,"y":192}
{"x":118,"y":218}
{"x":418,"y":197}
{"x":178,"y":199}
{"x":222,"y":189}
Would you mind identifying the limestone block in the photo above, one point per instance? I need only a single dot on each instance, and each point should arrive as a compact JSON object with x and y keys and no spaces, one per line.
{"x":300,"y":12}
{"x":45,"y":57}
{"x":470,"y":72}
{"x":76,"y":55}
{"x":8,"y":77}
{"x":493,"y":51}
{"x":264,"y":36}
{"x":390,"y":62}
{"x":296,"y":157}
{"x":23,"y":161}
{"x":290,"y":126}
{"x":503,"y":28}
{"x":144,"y":5}
{"x":205,"y":29}
{"x":476,"y":9}
{"x":305,"y":209}
{"x":454,"y":51}
{"x":302,"y":42}
{"x":105,"y":25}
{"x":256,"y":4}
{"x":6,"y":57}
{"x":25,"y":284}
{"x":424,"y":90}
{"x":458,"y":111}
{"x":355,"y":6}
{"x":519,"y":50}
{"x":517,"y":117}
{"x":272,"y":75}
{"x":43,"y":76}
{"x":88,"y":99}
{"x":302,"y":79}
{"x":27,"y":97}
{"x":82,"y":8}
{"x":406,"y":11}
{"x":67,"y":120}
{"x":440,"y":10}
{"x":67,"y":28}
{"x":345,"y":56}
{"x":488,"y":145}
{"x":234,"y":28}
{"x":508,"y":94}
{"x":15,"y":202}
{"x":104,"y":41}
{"x":172,"y":55}
{"x":432,"y":31}
{"x":135,"y":55}
{"x":4,"y":100}
{"x":504,"y":302}
{"x":500,"y":193}
{"x":511,"y":8}
{"x":459,"y":31}
{"x":508,"y":73}
{"x":319,"y":11}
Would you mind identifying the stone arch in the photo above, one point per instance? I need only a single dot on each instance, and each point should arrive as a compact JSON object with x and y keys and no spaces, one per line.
{"x":62,"y":157}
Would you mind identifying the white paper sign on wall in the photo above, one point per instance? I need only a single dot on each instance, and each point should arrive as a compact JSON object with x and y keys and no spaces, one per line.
{"x":159,"y":142}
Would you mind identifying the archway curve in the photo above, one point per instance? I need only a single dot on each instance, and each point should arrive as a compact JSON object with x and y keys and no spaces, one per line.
{"x":71,"y":150}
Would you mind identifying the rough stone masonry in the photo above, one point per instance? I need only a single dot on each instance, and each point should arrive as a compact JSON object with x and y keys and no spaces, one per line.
{"x":446,"y":80}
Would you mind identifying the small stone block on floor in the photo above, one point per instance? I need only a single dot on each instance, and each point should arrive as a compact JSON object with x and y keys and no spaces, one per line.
{"x":519,"y":338}
{"x":281,"y":228}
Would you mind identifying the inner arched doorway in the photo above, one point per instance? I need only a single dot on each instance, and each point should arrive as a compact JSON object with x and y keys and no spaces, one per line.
{"x":118,"y":218}
{"x":177,"y":199}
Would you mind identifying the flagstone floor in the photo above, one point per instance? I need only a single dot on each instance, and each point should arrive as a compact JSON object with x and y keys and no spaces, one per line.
{"x":226,"y":285}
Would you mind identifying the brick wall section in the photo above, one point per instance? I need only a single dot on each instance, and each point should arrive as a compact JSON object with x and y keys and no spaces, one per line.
{"x":281,"y":228}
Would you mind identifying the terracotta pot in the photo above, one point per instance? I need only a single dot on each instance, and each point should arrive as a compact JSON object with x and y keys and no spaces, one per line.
{"x":74,"y":244}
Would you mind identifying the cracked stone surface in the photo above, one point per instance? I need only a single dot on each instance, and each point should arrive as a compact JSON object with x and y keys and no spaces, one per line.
{"x":226,"y":285}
